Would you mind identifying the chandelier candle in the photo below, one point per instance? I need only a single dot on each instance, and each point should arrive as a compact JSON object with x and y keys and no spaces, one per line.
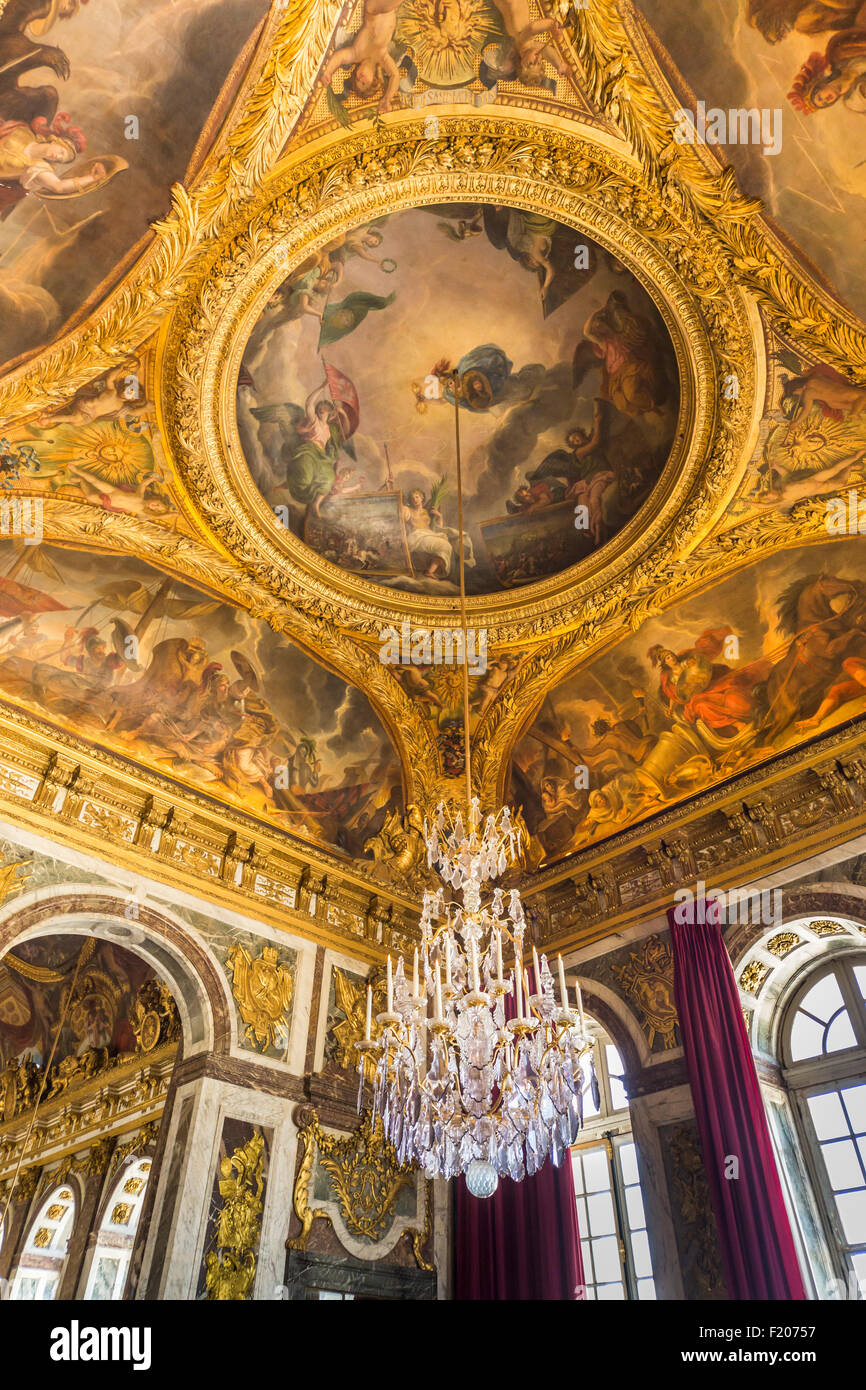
{"x":457,"y":1084}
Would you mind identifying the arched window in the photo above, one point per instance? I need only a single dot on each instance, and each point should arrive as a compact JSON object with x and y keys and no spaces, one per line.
{"x":44,"y":1255}
{"x":114,"y":1245}
{"x":610,"y":1211}
{"x":824,"y":1056}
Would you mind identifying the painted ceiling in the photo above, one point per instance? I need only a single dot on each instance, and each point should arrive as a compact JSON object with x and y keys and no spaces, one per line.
{"x":241,"y":278}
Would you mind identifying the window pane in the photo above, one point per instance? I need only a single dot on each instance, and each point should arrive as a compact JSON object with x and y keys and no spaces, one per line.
{"x":646,"y":1288}
{"x":577,"y":1169}
{"x":828,"y":1117}
{"x":852,"y":1210}
{"x":628,"y":1163}
{"x":581,"y":1216}
{"x":860,"y":977}
{"x":634,"y":1208}
{"x":840,"y":1034}
{"x":596,"y":1173}
{"x":605,"y":1254}
{"x":612,"y":1293}
{"x":601,"y":1215}
{"x":641,"y":1255}
{"x":855,"y":1103}
{"x":614,"y":1062}
{"x":859,"y":1262}
{"x":807,"y":1038}
{"x":843,"y":1169}
{"x":824,"y":998}
{"x":587,"y":1260}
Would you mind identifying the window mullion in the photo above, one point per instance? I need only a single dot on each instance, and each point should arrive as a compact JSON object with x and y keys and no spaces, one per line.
{"x":618,"y":1193}
{"x":853,"y":1001}
{"x":820,"y":1178}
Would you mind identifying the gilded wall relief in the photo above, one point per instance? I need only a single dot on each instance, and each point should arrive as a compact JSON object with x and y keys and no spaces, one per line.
{"x":131,"y":658}
{"x":758,"y":663}
{"x":228,"y":1266}
{"x":102,"y":109}
{"x":565,"y":374}
{"x":346,"y":1022}
{"x":263,"y":985}
{"x":803,"y":64}
{"x":355,"y":1182}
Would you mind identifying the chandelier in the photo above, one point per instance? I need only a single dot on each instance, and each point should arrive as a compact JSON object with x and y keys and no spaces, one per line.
{"x":459,"y":1086}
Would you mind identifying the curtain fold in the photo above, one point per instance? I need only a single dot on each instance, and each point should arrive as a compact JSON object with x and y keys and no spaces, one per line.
{"x":757,"y":1247}
{"x":524,"y":1241}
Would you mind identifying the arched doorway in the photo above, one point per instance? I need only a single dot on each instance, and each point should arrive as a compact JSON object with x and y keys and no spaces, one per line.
{"x":89,"y":1035}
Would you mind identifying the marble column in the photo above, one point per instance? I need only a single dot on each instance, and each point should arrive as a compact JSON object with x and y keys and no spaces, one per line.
{"x":91,"y":1184}
{"x":20,"y":1212}
{"x":180,"y":1225}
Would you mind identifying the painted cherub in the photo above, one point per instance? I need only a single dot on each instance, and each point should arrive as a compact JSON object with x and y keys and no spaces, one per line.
{"x":527,"y":57}
{"x":368,"y":54}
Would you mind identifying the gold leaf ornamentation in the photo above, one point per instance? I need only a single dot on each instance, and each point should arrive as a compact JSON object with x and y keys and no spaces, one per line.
{"x":365,"y":1178}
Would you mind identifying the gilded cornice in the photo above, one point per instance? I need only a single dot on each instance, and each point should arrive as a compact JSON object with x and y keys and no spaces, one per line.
{"x":132,"y":817}
{"x":111,"y":1102}
{"x":767,"y":820}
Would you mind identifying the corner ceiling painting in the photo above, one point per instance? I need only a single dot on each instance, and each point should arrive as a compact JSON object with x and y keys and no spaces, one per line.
{"x":238,"y":347}
{"x":803,"y":62}
{"x":166,"y":674}
{"x":567,"y":383}
{"x":102,"y":106}
{"x":756,"y":665}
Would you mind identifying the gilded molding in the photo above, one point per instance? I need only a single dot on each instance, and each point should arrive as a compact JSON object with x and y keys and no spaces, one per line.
{"x":494,"y":157}
{"x":90,"y":1110}
{"x":365,"y":1177}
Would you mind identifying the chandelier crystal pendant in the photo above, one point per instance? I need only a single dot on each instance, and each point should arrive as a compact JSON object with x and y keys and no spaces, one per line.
{"x":457,"y":1085}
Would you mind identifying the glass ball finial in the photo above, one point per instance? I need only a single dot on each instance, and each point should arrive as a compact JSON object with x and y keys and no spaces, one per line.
{"x":482,"y":1178}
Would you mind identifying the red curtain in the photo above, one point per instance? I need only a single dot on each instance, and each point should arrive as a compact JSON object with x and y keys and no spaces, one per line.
{"x":524,"y":1241}
{"x":757,"y":1246}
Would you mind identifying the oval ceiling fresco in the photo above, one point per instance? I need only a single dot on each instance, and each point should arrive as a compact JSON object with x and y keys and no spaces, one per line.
{"x":561,"y":363}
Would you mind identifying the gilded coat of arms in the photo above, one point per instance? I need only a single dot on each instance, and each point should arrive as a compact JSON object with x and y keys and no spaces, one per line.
{"x":648,"y":979}
{"x":263,"y":991}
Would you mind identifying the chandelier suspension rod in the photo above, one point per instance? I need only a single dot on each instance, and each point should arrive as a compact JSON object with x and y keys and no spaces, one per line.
{"x":467,"y":749}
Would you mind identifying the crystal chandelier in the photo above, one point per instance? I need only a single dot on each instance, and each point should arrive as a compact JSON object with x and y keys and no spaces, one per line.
{"x":459,"y":1086}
